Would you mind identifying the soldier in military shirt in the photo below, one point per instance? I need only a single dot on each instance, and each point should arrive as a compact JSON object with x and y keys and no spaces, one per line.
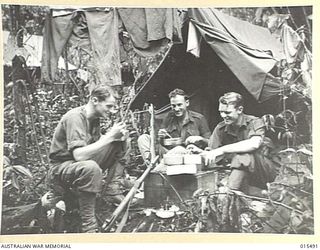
{"x":190,"y":126}
{"x":239,"y":141}
{"x":79,"y":154}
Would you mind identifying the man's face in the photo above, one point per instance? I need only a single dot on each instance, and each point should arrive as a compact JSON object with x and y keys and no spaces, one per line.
{"x":179,"y":105}
{"x":106,"y":107}
{"x":229,"y":113}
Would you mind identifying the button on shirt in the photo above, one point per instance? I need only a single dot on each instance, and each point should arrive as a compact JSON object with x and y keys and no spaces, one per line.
{"x":193,"y":124}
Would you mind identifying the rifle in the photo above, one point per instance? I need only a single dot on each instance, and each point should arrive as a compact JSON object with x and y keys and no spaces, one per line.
{"x":109,"y":222}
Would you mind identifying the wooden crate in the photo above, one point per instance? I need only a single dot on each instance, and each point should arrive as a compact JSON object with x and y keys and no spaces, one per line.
{"x":157,"y":190}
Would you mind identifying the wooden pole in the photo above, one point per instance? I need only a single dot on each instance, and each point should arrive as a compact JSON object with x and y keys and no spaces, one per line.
{"x":66,"y":85}
{"x":152,"y":133}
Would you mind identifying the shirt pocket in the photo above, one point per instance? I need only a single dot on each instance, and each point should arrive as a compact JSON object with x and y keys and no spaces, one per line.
{"x":192,"y":130}
{"x":172,"y":131}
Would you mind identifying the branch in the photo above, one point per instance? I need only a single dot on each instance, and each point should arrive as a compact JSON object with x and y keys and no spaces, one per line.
{"x":307,"y":22}
{"x":284,"y":219}
{"x":32,"y":120}
{"x":133,"y":98}
{"x":173,"y":188}
{"x":291,"y":18}
{"x":260,"y":199}
{"x":297,"y":189}
{"x":37,"y":109}
{"x":263,"y":220}
{"x":74,"y":83}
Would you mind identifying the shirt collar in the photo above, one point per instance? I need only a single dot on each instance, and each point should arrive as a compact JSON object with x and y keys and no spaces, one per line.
{"x":172,"y":125}
{"x":242,"y":122}
{"x":186,"y":119}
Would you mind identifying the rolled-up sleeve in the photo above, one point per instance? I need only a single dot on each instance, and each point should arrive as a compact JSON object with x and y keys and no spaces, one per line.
{"x":76,"y":135}
{"x":256,"y":128}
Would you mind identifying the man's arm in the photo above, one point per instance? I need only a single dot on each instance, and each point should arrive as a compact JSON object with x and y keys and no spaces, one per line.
{"x":162,"y":132}
{"x":89,"y":151}
{"x":193,"y":139}
{"x":203,"y":130}
{"x":245,"y":146}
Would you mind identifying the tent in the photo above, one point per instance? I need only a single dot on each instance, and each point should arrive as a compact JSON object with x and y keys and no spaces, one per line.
{"x":226,"y":54}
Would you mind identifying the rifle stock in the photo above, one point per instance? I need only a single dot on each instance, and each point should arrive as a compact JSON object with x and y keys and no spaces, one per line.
{"x":109,"y":222}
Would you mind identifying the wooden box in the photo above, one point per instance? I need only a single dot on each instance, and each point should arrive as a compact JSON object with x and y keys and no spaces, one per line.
{"x":157,"y":190}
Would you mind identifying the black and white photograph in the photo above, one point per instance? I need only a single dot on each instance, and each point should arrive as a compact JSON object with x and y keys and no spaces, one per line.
{"x":157,"y":120}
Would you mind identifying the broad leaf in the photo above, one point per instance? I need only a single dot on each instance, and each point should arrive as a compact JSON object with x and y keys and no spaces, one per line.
{"x":287,"y":150}
{"x":22,"y":170}
{"x":6,"y":161}
{"x":14,"y":181}
{"x":305,"y":151}
{"x":296,"y":219}
{"x":7,"y":183}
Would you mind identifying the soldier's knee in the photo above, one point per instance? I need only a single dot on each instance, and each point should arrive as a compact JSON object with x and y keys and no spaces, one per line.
{"x":242,"y":161}
{"x":89,"y":177}
{"x":92,"y":168}
{"x":143,"y":139}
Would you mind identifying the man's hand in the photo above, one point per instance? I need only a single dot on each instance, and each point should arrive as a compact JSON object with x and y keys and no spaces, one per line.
{"x":117,"y":131}
{"x":193,"y":149}
{"x":210,"y":156}
{"x":162,"y":133}
{"x":88,"y":152}
{"x":193,"y":139}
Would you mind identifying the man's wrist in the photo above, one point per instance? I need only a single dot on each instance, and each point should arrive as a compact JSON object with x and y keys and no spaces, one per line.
{"x":107,"y":138}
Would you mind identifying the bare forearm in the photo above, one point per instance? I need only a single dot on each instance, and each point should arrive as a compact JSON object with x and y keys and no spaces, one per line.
{"x":244,"y":146}
{"x":88,"y":152}
{"x":195,"y":139}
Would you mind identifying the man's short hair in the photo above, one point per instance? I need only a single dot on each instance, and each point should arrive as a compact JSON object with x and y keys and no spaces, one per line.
{"x":101,"y":92}
{"x":176,"y":92}
{"x":231,"y":98}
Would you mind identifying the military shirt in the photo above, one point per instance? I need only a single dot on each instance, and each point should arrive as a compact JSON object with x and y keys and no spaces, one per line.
{"x":247,"y":127}
{"x":193,"y":124}
{"x":73,"y":131}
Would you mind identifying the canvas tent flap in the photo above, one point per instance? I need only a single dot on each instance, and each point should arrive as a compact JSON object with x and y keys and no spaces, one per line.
{"x":248,"y":50}
{"x":194,"y":40}
{"x":226,"y":62}
{"x":254,"y":36}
